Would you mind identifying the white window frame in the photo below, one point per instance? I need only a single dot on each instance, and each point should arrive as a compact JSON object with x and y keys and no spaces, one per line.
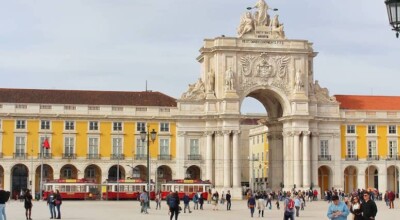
{"x":117,"y":126}
{"x":393,"y":144}
{"x":140,"y":125}
{"x":347,"y":148}
{"x":20,"y":145}
{"x":117,"y":144}
{"x":92,"y":144}
{"x":348,"y":128}
{"x":45,"y":125}
{"x":141,"y":148}
{"x":371,"y":129}
{"x":164,"y":126}
{"x":324,"y":147}
{"x":194,"y":143}
{"x":67,"y":172}
{"x":68,"y":125}
{"x":372,"y":148}
{"x":69,"y":145}
{"x":394,"y":127}
{"x":41,"y":141}
{"x":20,"y":124}
{"x":93,"y":126}
{"x":161,"y":142}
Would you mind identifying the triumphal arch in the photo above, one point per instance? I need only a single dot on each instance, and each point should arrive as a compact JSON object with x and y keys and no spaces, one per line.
{"x":260,"y":62}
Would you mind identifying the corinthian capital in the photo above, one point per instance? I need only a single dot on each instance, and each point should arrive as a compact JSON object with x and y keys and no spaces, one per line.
{"x":208,"y":133}
{"x":306,"y":133}
{"x":226,"y":132}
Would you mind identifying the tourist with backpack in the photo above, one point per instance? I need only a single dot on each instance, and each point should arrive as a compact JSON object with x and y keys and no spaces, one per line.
{"x":288,"y":207}
{"x":196,"y":201}
{"x":4,"y":197}
{"x":173,"y":204}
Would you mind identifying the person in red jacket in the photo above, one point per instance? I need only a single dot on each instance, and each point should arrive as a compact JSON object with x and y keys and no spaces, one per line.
{"x":391,"y":198}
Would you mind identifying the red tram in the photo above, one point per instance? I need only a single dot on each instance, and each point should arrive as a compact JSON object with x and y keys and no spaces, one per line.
{"x":72,"y":188}
{"x":129,"y":189}
{"x":186,"y":186}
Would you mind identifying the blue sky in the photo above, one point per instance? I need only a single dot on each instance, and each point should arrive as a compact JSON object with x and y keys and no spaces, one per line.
{"x":119,"y":44}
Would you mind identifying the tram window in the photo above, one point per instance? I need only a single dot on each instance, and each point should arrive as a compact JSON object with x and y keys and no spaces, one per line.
{"x":201,"y":189}
{"x":185,"y":188}
{"x":191,"y":189}
{"x":195,"y":188}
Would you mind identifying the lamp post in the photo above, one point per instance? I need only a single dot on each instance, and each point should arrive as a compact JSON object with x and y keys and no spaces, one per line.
{"x":393,"y":10}
{"x":149,"y":135}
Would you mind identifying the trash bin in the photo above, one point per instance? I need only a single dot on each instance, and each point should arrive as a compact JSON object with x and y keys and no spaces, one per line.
{"x":37,"y":196}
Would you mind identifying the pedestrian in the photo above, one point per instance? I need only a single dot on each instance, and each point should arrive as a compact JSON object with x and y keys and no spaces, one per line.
{"x":277,"y":204}
{"x":269,"y":201}
{"x":337,"y":210}
{"x":251,"y":203}
{"x":28,"y":204}
{"x":288,"y":207}
{"x":201,"y":202}
{"x":297,"y":204}
{"x":51,"y":204}
{"x":58,"y":202}
{"x":173,"y":205}
{"x":196,"y":201}
{"x":368,"y":208}
{"x":4,"y":197}
{"x":228,"y":200}
{"x":355,"y":209}
{"x":261,"y":206}
{"x":144,"y":199}
{"x":209,"y":195}
{"x":214,"y":200}
{"x":158,"y":200}
{"x":222,"y":198}
{"x":21,"y":195}
{"x":186,"y":201}
{"x":391,"y":197}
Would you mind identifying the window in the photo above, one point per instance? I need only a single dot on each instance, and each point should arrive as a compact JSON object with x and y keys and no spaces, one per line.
{"x":351,"y":148}
{"x":21,"y":124}
{"x":262,"y":138}
{"x":140,"y":126}
{"x":117,"y":126}
{"x":45,"y":125}
{"x":90,"y":173}
{"x":117,"y":146}
{"x":70,"y":107}
{"x":93,"y":126}
{"x":20,"y":146}
{"x":69,"y":125}
{"x":372,"y":148}
{"x":371,"y":129}
{"x":21,"y":106}
{"x":93,"y":146}
{"x":42,"y":149}
{"x":392,"y":148}
{"x":140,"y":147}
{"x":69,"y":145}
{"x":117,"y":109}
{"x":164,"y":127}
{"x":351,"y":129}
{"x":48,"y":107}
{"x":67,"y":173}
{"x":194,"y":147}
{"x":324,"y":151}
{"x":94,"y":108}
{"x":164,"y":146}
{"x":392,"y":129}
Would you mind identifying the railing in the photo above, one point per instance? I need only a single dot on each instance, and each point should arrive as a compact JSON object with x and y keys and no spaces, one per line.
{"x":117,"y":156}
{"x":164,"y":157}
{"x":92,"y":156}
{"x":194,"y":157}
{"x":351,"y":157}
{"x":20,"y":155}
{"x":324,"y":157}
{"x":140,"y":156}
{"x":393,"y":157}
{"x":45,"y":156}
{"x":68,"y":156}
{"x":372,"y":157}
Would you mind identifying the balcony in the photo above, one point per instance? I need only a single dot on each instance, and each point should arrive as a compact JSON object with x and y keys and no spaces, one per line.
{"x":45,"y":156}
{"x":393,"y":157}
{"x":351,"y":157}
{"x":164,"y":157}
{"x":117,"y":157}
{"x":68,"y":156}
{"x":194,"y":157}
{"x":324,"y":158}
{"x":93,"y":156}
{"x":140,"y":156}
{"x":20,"y":155}
{"x":372,"y":157}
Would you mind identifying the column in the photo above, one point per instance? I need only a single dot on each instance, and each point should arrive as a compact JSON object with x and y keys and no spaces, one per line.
{"x":306,"y":159}
{"x":337,"y":172}
{"x":236,"y":160}
{"x":219,"y":160}
{"x":296,"y":159}
{"x":382,"y":179}
{"x":314,"y":158}
{"x":180,"y":156}
{"x":209,"y":156}
{"x":7,"y":179}
{"x":288,"y":159}
{"x":227,"y":159}
{"x":361,"y":178}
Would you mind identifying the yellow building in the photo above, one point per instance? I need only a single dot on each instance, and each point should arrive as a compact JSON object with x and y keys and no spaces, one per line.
{"x":258,"y":157}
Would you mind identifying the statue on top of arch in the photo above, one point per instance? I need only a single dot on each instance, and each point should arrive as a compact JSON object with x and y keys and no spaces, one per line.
{"x":260,"y":24}
{"x":196,"y":91}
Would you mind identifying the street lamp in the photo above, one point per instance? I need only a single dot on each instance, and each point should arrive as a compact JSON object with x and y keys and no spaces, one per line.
{"x":393,"y":10}
{"x":149,"y":135}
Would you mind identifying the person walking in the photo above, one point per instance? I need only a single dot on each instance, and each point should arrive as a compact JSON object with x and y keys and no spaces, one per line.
{"x":21,"y":195}
{"x":51,"y":204}
{"x":158,"y":200}
{"x":58,"y":202}
{"x":28,"y":204}
{"x":214,"y":200}
{"x":391,"y":197}
{"x":251,"y":203}
{"x":201,"y":202}
{"x":368,"y":207}
{"x":222,"y":200}
{"x":261,"y":205}
{"x":297,"y":204}
{"x":228,"y":200}
{"x":355,"y":209}
{"x":186,"y":201}
{"x":173,"y":205}
{"x":144,"y":199}
{"x":196,"y":201}
{"x":4,"y":197}
{"x":337,"y":210}
{"x":269,"y":200}
{"x":209,"y":195}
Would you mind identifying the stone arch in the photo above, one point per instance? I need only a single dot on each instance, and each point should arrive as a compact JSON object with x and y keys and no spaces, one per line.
{"x":112,"y":173}
{"x":393,"y":178}
{"x":139,"y":172}
{"x":325,"y":177}
{"x":48,"y":174}
{"x":93,"y":172}
{"x":371,"y":177}
{"x":1,"y":176}
{"x":164,"y":174}
{"x":350,"y":179}
{"x":193,"y":172}
{"x":19,"y":179}
{"x":68,"y":171}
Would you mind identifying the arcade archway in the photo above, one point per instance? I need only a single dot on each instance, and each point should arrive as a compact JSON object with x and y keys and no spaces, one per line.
{"x":48,"y":174}
{"x":193,"y":173}
{"x":325,"y":178}
{"x":164,"y":174}
{"x":112,"y":173}
{"x":69,"y":171}
{"x":93,"y":173}
{"x":393,"y":179}
{"x":350,"y":179}
{"x":371,"y":177}
{"x":19,"y":179}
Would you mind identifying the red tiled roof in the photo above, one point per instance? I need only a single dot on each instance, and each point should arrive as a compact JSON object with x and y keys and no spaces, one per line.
{"x":358,"y":102}
{"x":82,"y":97}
